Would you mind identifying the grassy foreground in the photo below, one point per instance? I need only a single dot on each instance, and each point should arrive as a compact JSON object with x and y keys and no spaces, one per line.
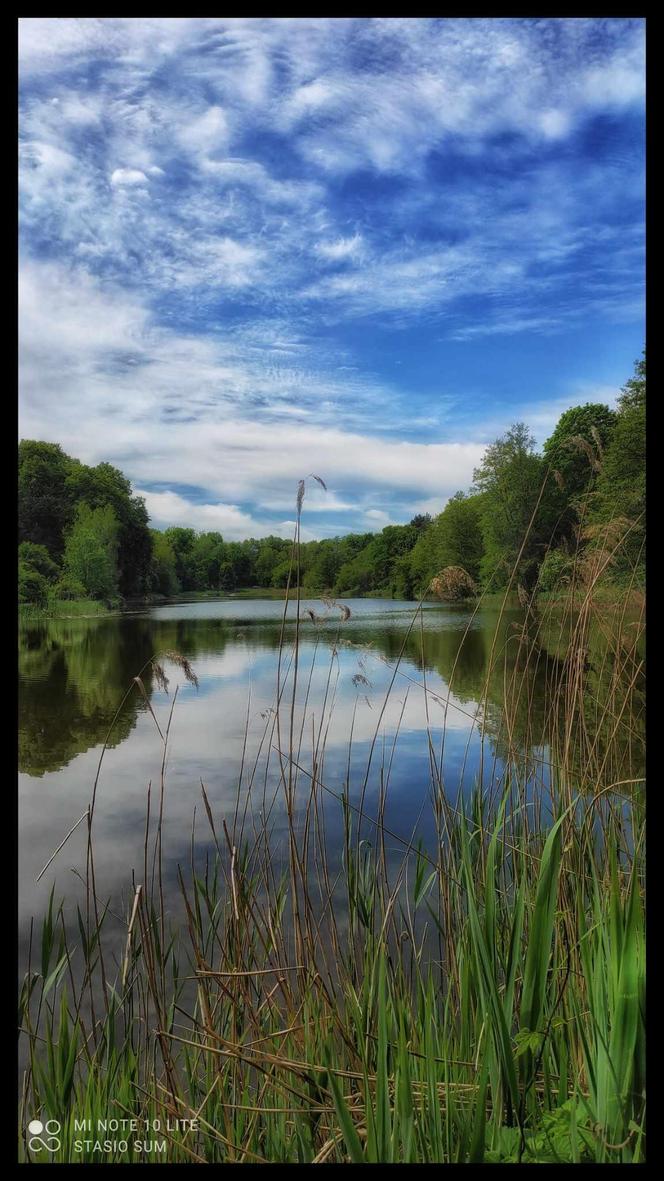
{"x":481,"y":1000}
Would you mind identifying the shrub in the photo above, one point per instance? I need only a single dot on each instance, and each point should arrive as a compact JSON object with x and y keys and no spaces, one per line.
{"x":39,"y":559}
{"x":554,"y":572}
{"x":69,"y":588}
{"x":453,"y":583}
{"x":32,"y":586}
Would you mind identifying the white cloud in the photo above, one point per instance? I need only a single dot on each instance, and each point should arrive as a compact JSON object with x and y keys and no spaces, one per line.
{"x":555,"y":124}
{"x":167,"y":408}
{"x":169,"y":508}
{"x":128,"y":177}
{"x":207,"y":133}
{"x":341,"y":248}
{"x":209,"y":346}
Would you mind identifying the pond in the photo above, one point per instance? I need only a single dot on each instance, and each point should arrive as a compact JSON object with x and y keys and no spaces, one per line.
{"x":391,"y":705}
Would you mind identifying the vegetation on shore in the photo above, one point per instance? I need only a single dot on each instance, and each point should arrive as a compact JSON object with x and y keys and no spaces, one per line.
{"x":84,"y":535}
{"x":477,"y":1000}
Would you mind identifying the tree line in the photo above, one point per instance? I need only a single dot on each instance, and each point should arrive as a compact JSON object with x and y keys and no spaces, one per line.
{"x":526,"y":517}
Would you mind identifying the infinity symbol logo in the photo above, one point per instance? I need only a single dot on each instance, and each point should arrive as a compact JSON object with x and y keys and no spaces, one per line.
{"x":51,"y":1127}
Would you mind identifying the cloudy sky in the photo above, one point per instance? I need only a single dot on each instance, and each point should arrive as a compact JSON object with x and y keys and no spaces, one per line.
{"x":256,"y":248}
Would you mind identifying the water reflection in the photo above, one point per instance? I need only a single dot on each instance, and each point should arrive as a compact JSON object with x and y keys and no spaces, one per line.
{"x":75,"y":673}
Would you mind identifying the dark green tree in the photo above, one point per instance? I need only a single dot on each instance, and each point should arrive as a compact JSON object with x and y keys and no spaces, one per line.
{"x":45,"y":505}
{"x":575,"y":453}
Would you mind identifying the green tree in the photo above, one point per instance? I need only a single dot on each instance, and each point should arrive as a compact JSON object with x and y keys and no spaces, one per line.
{"x":45,"y":506}
{"x":208,"y":555}
{"x":37,"y":556}
{"x":240,"y":555}
{"x":105,"y":486}
{"x":375,"y":566}
{"x":32,"y":586}
{"x":91,"y":551}
{"x":271,"y":551}
{"x":281,"y":572}
{"x":164,"y":579}
{"x":453,"y":539}
{"x":182,"y":542}
{"x":510,"y":480}
{"x":621,"y":483}
{"x":574,"y":453}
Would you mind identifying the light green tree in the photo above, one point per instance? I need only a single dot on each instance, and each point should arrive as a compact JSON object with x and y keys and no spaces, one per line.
{"x":91,"y":549}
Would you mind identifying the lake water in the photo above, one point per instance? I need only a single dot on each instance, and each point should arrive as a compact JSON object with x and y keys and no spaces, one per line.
{"x":388,"y":702}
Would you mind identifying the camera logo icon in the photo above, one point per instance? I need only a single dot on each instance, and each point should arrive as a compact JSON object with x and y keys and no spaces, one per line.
{"x":44,"y":1136}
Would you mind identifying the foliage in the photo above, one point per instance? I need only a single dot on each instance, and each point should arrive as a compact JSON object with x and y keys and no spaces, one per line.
{"x":68,"y":588}
{"x":454,"y":538}
{"x":591,"y":470}
{"x":510,"y":479}
{"x":104,"y":486}
{"x":37,"y":556}
{"x":577,"y":465}
{"x":554,"y":572}
{"x":45,"y":507}
{"x":91,"y":550}
{"x":51,"y":488}
{"x":621,"y":483}
{"x":374,"y":567}
{"x":36,"y":573}
{"x":32,"y":586}
{"x":163,"y":571}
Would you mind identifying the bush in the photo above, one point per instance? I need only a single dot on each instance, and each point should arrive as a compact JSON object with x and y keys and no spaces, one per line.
{"x":32,"y":586}
{"x":554,"y":572}
{"x":39,"y":559}
{"x":69,"y":588}
{"x":454,"y":584}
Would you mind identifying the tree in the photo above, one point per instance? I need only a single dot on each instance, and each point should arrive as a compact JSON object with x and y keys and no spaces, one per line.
{"x":91,"y":551}
{"x":375,"y":566}
{"x":281,"y":572}
{"x":270,"y":553}
{"x":45,"y":506}
{"x":208,"y":555}
{"x":182,"y":542}
{"x":510,"y":479}
{"x":574,"y":453}
{"x":453,"y":539}
{"x":621,"y":483}
{"x":240,"y":556}
{"x":104,"y":485}
{"x":421,"y":521}
{"x":32,"y":586}
{"x":164,"y":579}
{"x":38,"y":558}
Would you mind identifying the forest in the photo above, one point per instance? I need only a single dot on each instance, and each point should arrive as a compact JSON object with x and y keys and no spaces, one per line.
{"x":526,"y":518}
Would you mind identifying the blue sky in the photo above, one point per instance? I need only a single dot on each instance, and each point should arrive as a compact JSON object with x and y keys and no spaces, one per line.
{"x":255,"y":248}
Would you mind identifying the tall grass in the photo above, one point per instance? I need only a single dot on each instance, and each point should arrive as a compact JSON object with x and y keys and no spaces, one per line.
{"x":62,"y":609}
{"x":480,"y":999}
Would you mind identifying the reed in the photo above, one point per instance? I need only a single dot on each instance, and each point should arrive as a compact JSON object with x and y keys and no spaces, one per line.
{"x":479,"y":999}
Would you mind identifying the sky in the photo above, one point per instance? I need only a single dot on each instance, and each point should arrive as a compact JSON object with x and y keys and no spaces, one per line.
{"x":252,"y":249}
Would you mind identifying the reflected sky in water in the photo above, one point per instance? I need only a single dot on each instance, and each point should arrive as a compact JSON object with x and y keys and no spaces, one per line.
{"x":74,"y":674}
